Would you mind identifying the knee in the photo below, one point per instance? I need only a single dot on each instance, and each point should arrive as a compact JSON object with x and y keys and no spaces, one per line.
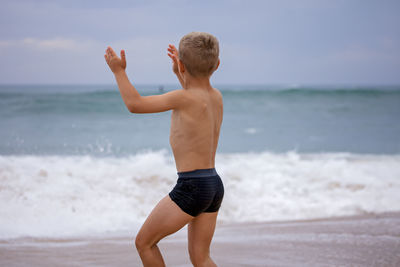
{"x":144,"y":242}
{"x":141,"y":243}
{"x":138,"y":243}
{"x":198,"y":257}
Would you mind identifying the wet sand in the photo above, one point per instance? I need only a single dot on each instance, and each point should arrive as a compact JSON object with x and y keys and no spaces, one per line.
{"x":367,"y":240}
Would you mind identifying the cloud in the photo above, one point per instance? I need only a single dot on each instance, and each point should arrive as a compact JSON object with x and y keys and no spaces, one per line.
{"x":57,"y":43}
{"x":261,"y":42}
{"x":69,"y":60}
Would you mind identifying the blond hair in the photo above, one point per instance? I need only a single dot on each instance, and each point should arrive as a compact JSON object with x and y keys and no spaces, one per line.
{"x":199,"y":52}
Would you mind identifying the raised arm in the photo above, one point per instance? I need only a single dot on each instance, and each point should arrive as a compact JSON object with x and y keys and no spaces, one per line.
{"x":173,"y":54}
{"x":131,"y":97}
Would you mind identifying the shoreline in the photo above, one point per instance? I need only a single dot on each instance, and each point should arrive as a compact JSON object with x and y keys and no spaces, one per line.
{"x":360,"y":240}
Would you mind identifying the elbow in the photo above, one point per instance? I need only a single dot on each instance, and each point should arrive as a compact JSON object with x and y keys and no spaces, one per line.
{"x":134,"y":106}
{"x":131,"y":108}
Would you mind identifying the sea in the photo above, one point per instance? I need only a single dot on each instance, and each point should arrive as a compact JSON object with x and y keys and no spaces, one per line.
{"x":74,"y":161}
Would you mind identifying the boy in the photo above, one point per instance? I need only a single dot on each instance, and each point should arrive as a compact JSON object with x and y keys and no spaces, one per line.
{"x":195,"y":125}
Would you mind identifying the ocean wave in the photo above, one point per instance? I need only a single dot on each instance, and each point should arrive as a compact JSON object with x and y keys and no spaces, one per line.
{"x":73,"y":195}
{"x":24,"y":100}
{"x":334,"y":91}
{"x":112,"y":90}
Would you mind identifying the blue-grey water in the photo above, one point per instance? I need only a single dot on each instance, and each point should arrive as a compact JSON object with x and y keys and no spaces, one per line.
{"x":69,"y":154}
{"x":83,"y":119}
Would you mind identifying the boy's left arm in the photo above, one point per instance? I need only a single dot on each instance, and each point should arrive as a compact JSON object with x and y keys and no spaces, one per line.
{"x":131,"y":97}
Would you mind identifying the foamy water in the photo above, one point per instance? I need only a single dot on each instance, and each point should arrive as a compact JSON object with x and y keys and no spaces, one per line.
{"x":74,"y":195}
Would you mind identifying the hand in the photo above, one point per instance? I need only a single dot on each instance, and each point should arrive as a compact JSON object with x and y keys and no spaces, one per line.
{"x":173,"y":54}
{"x":115,"y":63}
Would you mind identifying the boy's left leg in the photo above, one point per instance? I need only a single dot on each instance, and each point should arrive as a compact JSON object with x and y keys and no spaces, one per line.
{"x":165,"y":219}
{"x":200,"y":233}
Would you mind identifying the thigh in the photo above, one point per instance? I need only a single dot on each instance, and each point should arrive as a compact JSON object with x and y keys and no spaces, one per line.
{"x":201,"y":231}
{"x":166,"y":218}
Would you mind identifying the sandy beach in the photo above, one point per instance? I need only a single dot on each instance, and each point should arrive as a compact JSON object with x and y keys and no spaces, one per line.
{"x":367,"y":240}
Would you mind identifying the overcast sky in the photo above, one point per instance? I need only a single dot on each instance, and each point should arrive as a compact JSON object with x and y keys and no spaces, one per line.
{"x":310,"y":41}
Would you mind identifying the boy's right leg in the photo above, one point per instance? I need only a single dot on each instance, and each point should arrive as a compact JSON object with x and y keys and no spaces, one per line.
{"x":165,"y":219}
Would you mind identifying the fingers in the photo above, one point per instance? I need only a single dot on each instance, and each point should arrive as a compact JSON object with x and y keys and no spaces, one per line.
{"x":123,"y":58}
{"x":107,"y":58}
{"x":172,"y":49}
{"x":111,"y":51}
{"x":172,"y":52}
{"x":110,"y":55}
{"x":173,"y":57}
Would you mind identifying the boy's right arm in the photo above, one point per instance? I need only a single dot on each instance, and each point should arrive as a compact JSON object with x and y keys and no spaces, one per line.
{"x":173,"y":54}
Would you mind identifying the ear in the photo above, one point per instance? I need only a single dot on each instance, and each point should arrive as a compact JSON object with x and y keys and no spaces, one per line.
{"x":181,"y":67}
{"x":217,"y":65}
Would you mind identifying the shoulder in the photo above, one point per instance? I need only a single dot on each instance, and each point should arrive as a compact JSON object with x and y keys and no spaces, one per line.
{"x":217,"y":92}
{"x":179,"y":98}
{"x":218,"y":95}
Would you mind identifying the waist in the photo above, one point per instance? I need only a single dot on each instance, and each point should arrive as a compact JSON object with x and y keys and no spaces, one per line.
{"x":198,"y":173}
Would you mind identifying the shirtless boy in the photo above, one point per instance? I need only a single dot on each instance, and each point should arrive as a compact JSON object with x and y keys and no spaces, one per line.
{"x":195,"y":125}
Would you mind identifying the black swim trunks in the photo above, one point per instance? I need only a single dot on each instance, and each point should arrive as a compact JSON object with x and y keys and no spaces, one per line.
{"x":198,"y":191}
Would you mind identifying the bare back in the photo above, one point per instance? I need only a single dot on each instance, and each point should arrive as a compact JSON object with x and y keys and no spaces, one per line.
{"x":195,"y":129}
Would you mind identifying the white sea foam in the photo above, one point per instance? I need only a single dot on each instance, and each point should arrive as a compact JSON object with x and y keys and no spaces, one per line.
{"x":73,"y":195}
